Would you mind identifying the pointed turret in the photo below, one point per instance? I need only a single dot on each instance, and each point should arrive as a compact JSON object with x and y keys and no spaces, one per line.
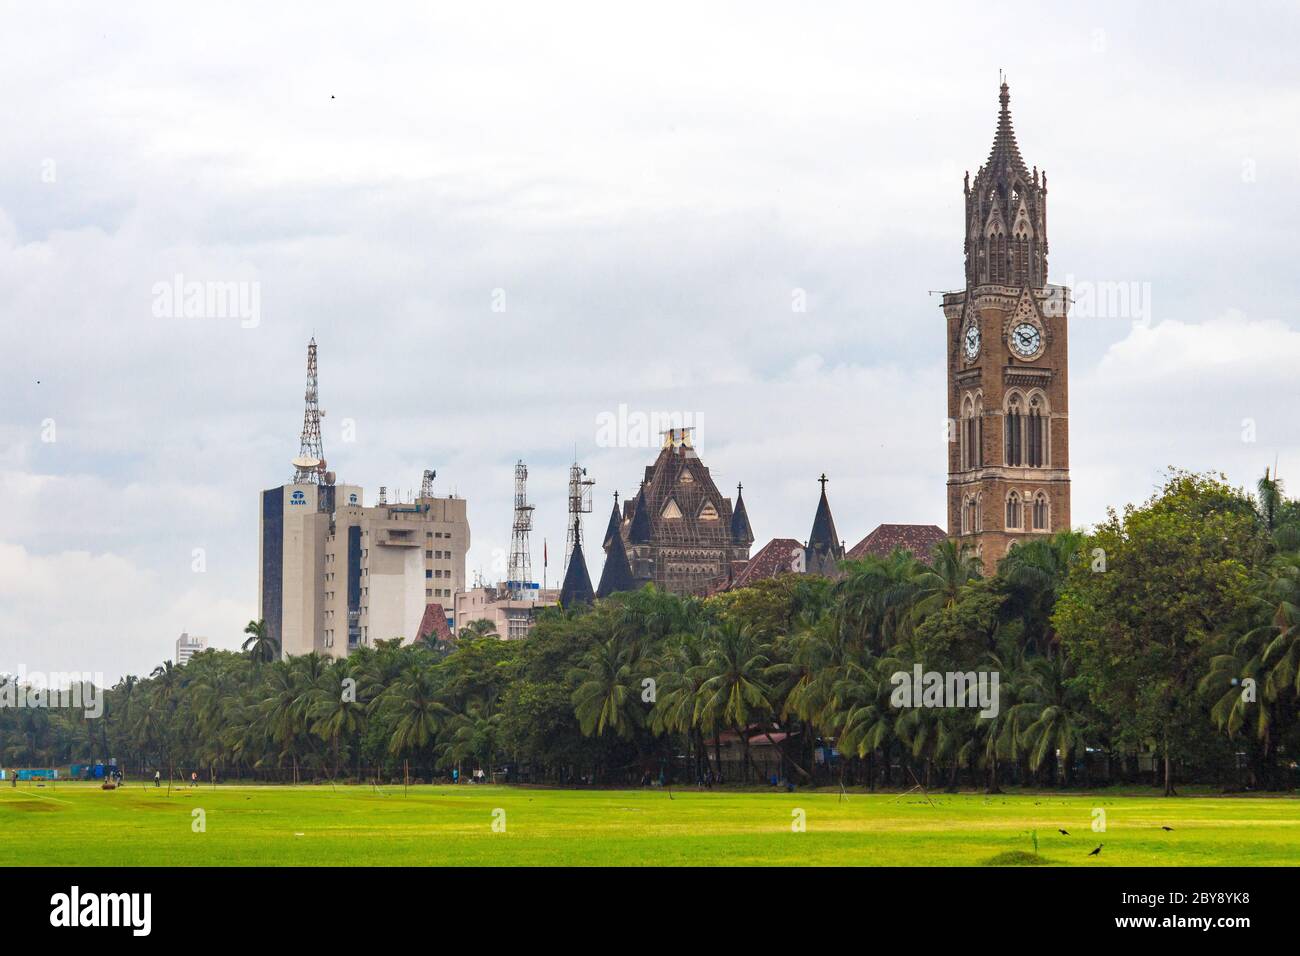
{"x":577,"y":582}
{"x":617,"y":574}
{"x":615,"y":524}
{"x":741,"y":533}
{"x":825,"y":549}
{"x":1005,"y":154}
{"x":639,"y":532}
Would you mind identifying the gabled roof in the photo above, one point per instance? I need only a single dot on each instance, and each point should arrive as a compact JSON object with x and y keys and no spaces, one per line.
{"x":778,"y":556}
{"x":916,"y":538}
{"x":616,"y":575}
{"x":577,"y":582}
{"x":664,"y":495}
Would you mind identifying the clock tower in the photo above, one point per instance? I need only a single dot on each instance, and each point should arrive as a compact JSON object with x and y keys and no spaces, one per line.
{"x":1008,"y":390}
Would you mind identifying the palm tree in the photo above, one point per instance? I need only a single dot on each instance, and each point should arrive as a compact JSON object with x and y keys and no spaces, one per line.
{"x":952,"y":568}
{"x":1036,"y":572}
{"x":605,"y":697}
{"x":1050,"y":720}
{"x":678,"y":680}
{"x":419,"y":713}
{"x":1269,"y":501}
{"x":875,"y":596}
{"x":1267,"y":654}
{"x":282,"y":711}
{"x":473,"y":735}
{"x":260,"y":645}
{"x":479,"y":628}
{"x":735,"y":693}
{"x":334,"y":713}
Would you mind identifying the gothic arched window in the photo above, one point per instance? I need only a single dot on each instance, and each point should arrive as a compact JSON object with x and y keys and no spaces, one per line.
{"x":1036,"y":432}
{"x":1013,"y":438}
{"x":1041,"y":517}
{"x":1020,"y":263}
{"x":1015,"y":512}
{"x":970,"y":433}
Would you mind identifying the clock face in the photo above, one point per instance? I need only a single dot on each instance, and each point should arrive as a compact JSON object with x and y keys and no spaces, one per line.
{"x":972,"y":341}
{"x":1026,"y":339}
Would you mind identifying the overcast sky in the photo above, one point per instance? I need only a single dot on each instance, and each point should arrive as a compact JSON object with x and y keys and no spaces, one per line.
{"x":645,"y":189}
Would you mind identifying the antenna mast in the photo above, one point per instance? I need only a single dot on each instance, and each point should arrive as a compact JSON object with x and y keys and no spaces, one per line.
{"x":426,"y":483}
{"x":520,"y":572}
{"x":579,"y":505}
{"x":309,"y":466}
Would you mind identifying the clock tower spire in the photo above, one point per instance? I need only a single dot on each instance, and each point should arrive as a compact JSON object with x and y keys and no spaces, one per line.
{"x":1008,"y":397}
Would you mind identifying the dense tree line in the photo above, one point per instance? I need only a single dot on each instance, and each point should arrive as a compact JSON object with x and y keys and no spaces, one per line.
{"x":1170,"y":633}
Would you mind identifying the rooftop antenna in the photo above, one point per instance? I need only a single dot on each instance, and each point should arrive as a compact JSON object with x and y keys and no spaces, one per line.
{"x":579,"y":505}
{"x":309,"y":466}
{"x":426,"y":483}
{"x":519,"y":572}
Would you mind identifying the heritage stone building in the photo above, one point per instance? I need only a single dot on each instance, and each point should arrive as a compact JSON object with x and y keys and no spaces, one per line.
{"x":1008,"y":387}
{"x":679,"y":532}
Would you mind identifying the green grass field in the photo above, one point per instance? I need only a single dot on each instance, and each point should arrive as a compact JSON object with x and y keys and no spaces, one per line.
{"x":442,"y":825}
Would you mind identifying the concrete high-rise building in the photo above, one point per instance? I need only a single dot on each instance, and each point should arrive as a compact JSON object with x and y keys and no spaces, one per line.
{"x":187,"y":645}
{"x":295,"y":522}
{"x":385,"y":563}
{"x":335,"y":574}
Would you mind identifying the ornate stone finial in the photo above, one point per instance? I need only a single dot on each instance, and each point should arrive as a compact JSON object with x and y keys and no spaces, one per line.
{"x":823,"y":479}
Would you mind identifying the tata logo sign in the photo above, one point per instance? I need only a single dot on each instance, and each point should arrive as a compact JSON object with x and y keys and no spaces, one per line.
{"x":297,"y":498}
{"x":352,"y":499}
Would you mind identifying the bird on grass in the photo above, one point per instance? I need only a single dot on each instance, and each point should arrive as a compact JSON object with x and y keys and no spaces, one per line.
{"x":1168,"y":829}
{"x":1097,"y":851}
{"x":1063,"y":832}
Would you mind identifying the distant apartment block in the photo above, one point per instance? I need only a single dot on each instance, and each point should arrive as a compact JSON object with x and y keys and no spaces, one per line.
{"x":187,"y":645}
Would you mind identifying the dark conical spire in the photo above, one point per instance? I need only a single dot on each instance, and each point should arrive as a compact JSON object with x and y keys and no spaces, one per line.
{"x":615,"y":523}
{"x":741,"y":533}
{"x":1005,"y":152}
{"x":577,"y":582}
{"x":639,"y":532}
{"x":617,"y":574}
{"x":823,"y":541}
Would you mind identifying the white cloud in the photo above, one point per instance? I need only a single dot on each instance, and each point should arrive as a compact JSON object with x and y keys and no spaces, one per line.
{"x":649,"y":189}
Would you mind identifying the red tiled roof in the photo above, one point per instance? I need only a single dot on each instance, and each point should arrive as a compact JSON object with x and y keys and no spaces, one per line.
{"x":917,"y":538}
{"x":770,"y":560}
{"x":434,"y":622}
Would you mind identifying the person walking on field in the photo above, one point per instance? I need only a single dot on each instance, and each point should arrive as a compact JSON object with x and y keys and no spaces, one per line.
{"x":157,"y":778}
